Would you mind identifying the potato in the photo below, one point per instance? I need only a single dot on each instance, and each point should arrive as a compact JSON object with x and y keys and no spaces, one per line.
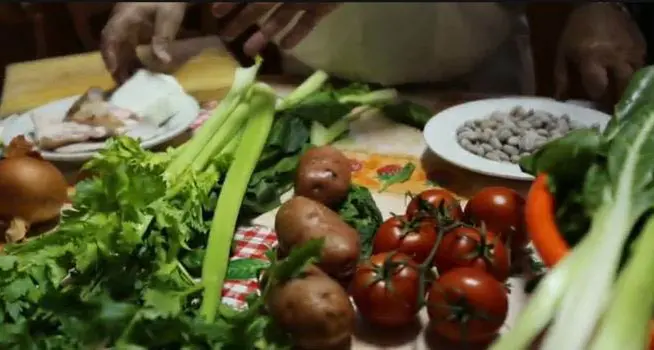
{"x":314,"y":309}
{"x":301,"y":219}
{"x":324,"y":175}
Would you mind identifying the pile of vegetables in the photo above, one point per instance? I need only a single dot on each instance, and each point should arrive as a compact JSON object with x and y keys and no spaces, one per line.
{"x":600,"y":296}
{"x":140,"y":259}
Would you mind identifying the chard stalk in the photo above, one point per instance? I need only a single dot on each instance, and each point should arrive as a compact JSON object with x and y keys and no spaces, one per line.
{"x":625,"y":324}
{"x":371,"y":98}
{"x":231,"y":196}
{"x":308,"y":87}
{"x":586,"y":298}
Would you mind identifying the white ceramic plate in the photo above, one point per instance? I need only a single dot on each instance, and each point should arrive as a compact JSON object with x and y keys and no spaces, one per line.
{"x":22,"y":125}
{"x":440,"y":131}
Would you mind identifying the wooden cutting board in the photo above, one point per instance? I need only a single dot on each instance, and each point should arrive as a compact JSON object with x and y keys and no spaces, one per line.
{"x":202,"y":65}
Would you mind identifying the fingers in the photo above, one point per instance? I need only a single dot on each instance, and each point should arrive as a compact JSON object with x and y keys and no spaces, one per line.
{"x":166,"y":25}
{"x":594,"y":77}
{"x":305,"y":24}
{"x":277,"y":21}
{"x":560,"y":77}
{"x":244,"y":19}
{"x":118,"y":44}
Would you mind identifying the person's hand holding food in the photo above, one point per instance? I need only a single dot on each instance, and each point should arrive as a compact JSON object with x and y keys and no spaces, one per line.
{"x":296,"y":20}
{"x":159,"y":21}
{"x":604,"y":45}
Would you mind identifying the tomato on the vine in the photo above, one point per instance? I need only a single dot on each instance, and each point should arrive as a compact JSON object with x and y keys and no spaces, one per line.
{"x":467,"y":305}
{"x":414,"y":238}
{"x":386,"y":290}
{"x":471,"y":247}
{"x":502,"y":210}
{"x":435,"y":203}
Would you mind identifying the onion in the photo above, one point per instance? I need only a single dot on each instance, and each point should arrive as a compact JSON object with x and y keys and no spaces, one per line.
{"x":31,"y":191}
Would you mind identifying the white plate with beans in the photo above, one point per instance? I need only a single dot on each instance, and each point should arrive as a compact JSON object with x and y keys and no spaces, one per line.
{"x":490,"y":136}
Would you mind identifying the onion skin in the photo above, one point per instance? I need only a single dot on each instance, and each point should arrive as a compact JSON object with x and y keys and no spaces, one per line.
{"x":31,"y":190}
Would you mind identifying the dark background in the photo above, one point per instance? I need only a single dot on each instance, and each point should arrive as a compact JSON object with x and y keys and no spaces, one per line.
{"x":30,"y":31}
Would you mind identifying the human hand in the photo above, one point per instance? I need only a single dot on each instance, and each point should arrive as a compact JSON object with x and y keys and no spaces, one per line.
{"x":281,"y":16}
{"x":605,"y":46}
{"x":129,"y":21}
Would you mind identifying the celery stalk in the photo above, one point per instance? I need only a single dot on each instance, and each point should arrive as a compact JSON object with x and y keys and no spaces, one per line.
{"x":243,"y":80}
{"x":625,"y":323}
{"x":223,"y":135}
{"x":379,"y":96}
{"x":321,"y":135}
{"x":231,"y":196}
{"x":312,"y":84}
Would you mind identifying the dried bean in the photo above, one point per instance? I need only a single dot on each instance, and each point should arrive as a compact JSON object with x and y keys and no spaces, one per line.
{"x":524,"y":124}
{"x":495,"y":142}
{"x":486,"y":147}
{"x":493,"y":156}
{"x":487,"y":124}
{"x":517,"y":111}
{"x":510,"y":150}
{"x":515,"y":158}
{"x":504,"y":134}
{"x":527,"y":141}
{"x":499,"y":117}
{"x":465,"y":142}
{"x":487,"y":135}
{"x":543,"y":132}
{"x":503,"y":156}
{"x":470,"y":135}
{"x":513,"y":140}
{"x":462,"y":129}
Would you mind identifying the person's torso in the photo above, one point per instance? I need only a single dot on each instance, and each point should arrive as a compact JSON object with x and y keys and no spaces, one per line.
{"x":395,"y":43}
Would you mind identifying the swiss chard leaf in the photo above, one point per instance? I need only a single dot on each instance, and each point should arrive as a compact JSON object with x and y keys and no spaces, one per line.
{"x":409,"y":113}
{"x":360,"y":211}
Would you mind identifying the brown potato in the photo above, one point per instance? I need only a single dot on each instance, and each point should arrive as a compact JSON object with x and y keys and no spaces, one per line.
{"x":314,"y":309}
{"x":301,"y":219}
{"x":324,"y":175}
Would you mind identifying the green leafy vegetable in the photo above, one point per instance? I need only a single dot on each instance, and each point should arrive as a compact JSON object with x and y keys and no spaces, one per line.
{"x":360,"y":211}
{"x":604,"y":190}
{"x":243,"y":269}
{"x":409,"y":113}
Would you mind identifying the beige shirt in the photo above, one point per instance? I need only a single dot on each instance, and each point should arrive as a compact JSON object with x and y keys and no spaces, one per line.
{"x":471,"y":46}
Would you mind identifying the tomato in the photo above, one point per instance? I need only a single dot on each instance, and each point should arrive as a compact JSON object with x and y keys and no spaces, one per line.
{"x":414,"y":238}
{"x":386,"y":289}
{"x":467,"y":305}
{"x":428,"y":202}
{"x":470,"y":247}
{"x":502,"y":210}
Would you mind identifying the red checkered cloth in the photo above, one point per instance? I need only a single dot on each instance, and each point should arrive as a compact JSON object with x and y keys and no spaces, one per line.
{"x":251,"y":242}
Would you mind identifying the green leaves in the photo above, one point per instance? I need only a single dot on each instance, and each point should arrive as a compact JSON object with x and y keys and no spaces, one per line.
{"x":409,"y":113}
{"x":243,"y":269}
{"x":360,"y":211}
